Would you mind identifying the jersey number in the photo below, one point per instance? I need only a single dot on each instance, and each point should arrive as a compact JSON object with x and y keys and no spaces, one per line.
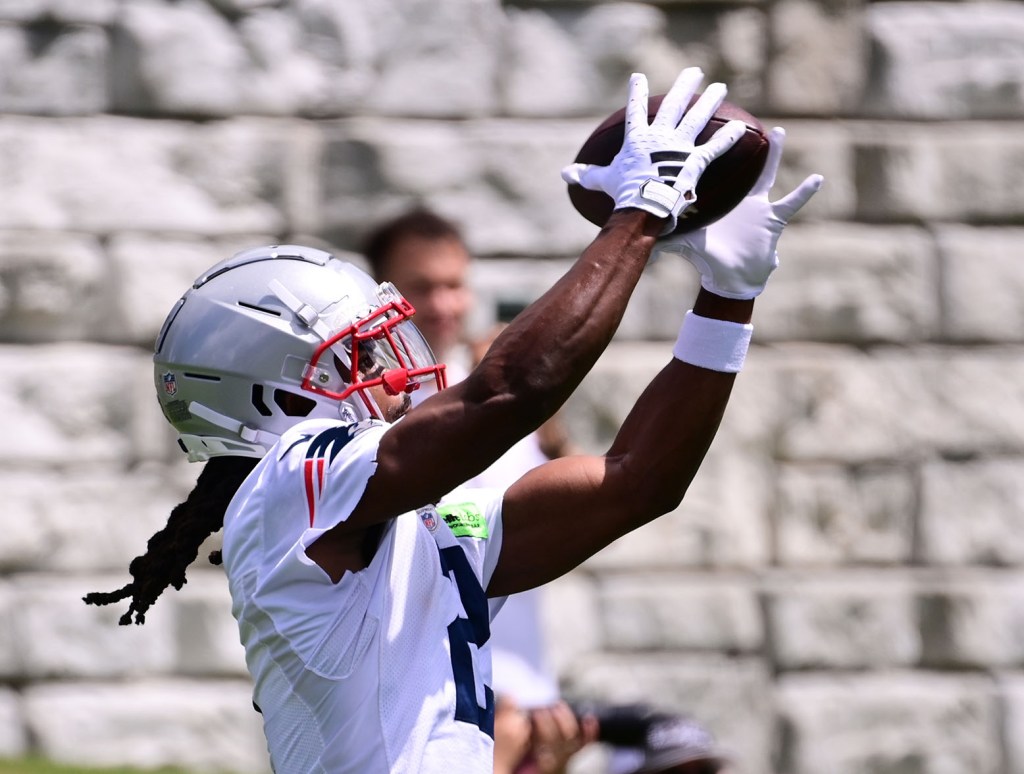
{"x":463,"y":632}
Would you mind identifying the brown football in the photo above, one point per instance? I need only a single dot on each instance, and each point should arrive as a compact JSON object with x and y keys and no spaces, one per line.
{"x":724,"y":183}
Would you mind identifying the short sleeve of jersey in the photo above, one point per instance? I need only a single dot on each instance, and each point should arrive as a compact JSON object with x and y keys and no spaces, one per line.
{"x":334,"y":464}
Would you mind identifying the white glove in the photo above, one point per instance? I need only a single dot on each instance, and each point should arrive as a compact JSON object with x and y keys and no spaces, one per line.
{"x":658,"y":166}
{"x":736,"y":254}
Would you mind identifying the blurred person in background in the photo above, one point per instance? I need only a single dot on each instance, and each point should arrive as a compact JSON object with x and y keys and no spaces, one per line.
{"x":649,"y":740}
{"x":426,"y":256}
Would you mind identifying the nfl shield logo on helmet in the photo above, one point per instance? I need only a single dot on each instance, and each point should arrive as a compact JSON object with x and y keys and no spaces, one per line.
{"x":170,"y":385}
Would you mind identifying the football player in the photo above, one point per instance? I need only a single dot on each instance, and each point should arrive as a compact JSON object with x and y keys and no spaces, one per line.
{"x":363,"y":577}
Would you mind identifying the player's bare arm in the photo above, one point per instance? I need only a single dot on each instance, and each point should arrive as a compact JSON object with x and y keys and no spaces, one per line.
{"x":536,"y":363}
{"x":528,"y":372}
{"x":558,"y":515}
{"x":565,"y":511}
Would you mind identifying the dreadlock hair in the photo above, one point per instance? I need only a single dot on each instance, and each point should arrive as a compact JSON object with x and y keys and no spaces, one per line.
{"x":171,"y":550}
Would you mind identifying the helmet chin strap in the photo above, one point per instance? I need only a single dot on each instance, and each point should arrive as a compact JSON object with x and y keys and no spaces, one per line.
{"x":200,"y":448}
{"x":251,"y":435}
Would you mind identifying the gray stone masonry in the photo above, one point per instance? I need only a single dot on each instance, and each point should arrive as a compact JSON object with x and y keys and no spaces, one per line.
{"x":842,"y":589}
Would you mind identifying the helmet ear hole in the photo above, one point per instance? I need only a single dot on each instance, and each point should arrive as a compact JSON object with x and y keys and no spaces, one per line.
{"x":294,"y":405}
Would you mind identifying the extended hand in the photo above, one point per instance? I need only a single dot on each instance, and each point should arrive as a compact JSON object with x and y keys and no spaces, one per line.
{"x":736,"y":254}
{"x":511,"y":735}
{"x":557,"y":736}
{"x":658,"y":166}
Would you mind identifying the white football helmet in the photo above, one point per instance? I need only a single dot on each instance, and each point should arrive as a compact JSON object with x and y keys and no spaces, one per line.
{"x":278,"y":334}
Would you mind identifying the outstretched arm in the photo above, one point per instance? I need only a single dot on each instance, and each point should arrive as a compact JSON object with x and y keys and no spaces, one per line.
{"x":536,"y":363}
{"x":563,"y":512}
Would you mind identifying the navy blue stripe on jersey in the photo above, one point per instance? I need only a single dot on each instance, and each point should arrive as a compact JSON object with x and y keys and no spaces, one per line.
{"x":463,"y":632}
{"x":331,"y":441}
{"x":301,"y":439}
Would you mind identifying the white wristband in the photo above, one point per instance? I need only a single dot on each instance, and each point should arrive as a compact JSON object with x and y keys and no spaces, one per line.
{"x":719,"y":345}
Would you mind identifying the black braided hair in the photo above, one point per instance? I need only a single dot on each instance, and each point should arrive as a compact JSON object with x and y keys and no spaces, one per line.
{"x":171,"y":550}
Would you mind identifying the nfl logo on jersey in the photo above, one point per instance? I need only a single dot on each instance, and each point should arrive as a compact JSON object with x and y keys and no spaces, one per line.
{"x":429,"y":517}
{"x":170,"y":385}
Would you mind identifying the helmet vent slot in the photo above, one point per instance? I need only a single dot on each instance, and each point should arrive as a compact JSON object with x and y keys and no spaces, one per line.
{"x":201,"y":377}
{"x":258,"y":403}
{"x":294,"y":405}
{"x":262,"y":309}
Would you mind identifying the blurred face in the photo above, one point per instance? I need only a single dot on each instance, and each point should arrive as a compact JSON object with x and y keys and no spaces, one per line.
{"x":432,"y":275}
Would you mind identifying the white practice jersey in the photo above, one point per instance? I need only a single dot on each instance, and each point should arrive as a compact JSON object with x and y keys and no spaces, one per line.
{"x":389,"y":669}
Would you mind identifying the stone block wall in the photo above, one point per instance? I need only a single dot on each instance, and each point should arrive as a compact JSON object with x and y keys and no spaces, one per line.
{"x":842,"y":590}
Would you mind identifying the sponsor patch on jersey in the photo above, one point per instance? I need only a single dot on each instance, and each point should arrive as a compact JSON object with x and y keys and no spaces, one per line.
{"x":464,"y":520}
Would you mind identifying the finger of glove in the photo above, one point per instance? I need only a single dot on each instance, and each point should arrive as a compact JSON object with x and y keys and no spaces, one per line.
{"x":703,"y":155}
{"x":788,"y":206}
{"x":636,"y":103}
{"x":673,"y":106}
{"x":721,"y":141}
{"x":765,"y":181}
{"x":589,"y":176}
{"x":571,"y":173}
{"x":697,"y":117}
